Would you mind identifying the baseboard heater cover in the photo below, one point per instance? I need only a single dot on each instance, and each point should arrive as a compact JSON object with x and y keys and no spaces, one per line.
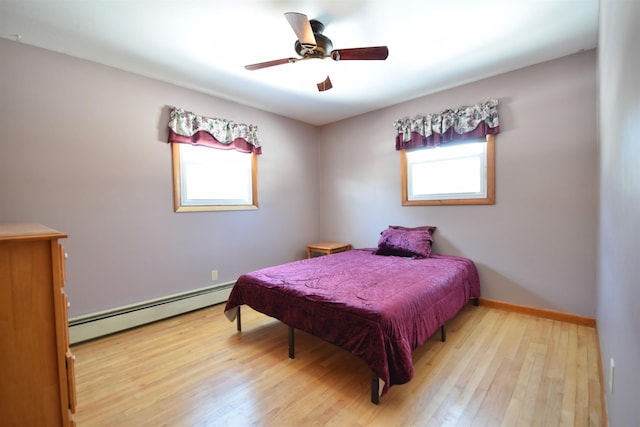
{"x":95,"y":325}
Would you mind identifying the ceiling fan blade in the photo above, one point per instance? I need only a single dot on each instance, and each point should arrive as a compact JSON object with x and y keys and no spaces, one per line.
{"x":301,"y":26}
{"x":360,"y":53}
{"x":260,"y":65}
{"x":325,"y":84}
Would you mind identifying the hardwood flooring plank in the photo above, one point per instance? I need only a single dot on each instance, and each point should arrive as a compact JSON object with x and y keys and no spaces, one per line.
{"x":595,"y":403}
{"x":569,"y":392}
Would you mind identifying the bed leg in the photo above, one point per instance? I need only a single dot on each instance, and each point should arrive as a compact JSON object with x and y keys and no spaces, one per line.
{"x":238,"y":321}
{"x":443,"y":333}
{"x":476,"y":301}
{"x":375,"y":388}
{"x":291,"y":344}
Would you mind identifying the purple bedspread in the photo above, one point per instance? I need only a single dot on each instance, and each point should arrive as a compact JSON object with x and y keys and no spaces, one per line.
{"x":377,"y":307}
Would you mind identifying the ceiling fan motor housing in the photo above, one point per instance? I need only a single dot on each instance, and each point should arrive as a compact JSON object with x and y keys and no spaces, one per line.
{"x":323,"y":43}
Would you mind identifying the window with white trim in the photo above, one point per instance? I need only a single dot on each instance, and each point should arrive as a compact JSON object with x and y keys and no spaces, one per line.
{"x":449,"y":174}
{"x":208,"y":179}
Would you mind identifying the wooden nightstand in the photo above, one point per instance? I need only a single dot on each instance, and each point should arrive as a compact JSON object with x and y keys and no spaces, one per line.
{"x":327,"y":248}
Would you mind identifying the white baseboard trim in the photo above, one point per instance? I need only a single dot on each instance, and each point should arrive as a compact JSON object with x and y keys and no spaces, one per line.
{"x":90,"y":326}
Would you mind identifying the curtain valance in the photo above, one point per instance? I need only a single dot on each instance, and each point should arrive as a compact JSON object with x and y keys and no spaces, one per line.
{"x":431,"y":130}
{"x":187,"y":127}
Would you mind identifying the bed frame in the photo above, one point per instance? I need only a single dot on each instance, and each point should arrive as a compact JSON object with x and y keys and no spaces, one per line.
{"x":375,"y":380}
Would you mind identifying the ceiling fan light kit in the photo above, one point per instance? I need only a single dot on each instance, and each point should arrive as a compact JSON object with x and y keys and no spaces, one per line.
{"x":325,"y":84}
{"x":311,"y":43}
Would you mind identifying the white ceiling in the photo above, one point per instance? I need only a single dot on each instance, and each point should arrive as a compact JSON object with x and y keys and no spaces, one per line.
{"x":204,"y":45}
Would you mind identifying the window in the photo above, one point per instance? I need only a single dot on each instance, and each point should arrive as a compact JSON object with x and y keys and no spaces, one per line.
{"x":450,"y":174}
{"x":209,"y":179}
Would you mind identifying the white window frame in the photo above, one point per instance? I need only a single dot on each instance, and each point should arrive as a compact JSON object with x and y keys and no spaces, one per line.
{"x":485,"y":176}
{"x":192,"y":164}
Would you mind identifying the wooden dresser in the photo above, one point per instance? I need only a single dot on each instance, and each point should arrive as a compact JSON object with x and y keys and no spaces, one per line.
{"x":36,"y":366}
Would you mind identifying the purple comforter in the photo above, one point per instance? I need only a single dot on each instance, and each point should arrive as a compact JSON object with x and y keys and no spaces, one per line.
{"x":379,"y":308}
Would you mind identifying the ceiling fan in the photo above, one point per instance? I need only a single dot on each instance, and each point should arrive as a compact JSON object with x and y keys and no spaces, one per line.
{"x":312,"y":44}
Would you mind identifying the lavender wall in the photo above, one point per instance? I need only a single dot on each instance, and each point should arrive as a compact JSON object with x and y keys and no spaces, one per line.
{"x":82,"y":150}
{"x":618,"y":283}
{"x":537,"y":245}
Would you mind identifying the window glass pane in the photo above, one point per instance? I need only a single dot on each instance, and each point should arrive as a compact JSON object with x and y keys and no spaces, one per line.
{"x":447,"y":172}
{"x":446,"y":177}
{"x":209,"y":174}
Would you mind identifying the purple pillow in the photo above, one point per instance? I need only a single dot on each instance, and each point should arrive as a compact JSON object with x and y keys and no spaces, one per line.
{"x":429,"y":228}
{"x":405,"y":242}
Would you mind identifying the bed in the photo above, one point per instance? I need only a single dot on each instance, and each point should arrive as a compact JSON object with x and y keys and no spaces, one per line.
{"x":378,"y":306}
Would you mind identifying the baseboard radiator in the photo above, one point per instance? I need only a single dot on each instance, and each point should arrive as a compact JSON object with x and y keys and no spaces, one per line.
{"x":87,"y":327}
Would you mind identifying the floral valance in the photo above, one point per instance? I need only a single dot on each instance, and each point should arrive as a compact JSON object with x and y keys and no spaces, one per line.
{"x":187,"y":127}
{"x":431,"y":130}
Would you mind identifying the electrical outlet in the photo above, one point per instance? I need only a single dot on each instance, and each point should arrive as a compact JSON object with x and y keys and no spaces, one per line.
{"x":214,"y":275}
{"x":612,"y":366}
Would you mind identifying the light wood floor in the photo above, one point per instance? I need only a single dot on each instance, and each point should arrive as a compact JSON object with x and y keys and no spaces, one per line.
{"x":497,"y":368}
